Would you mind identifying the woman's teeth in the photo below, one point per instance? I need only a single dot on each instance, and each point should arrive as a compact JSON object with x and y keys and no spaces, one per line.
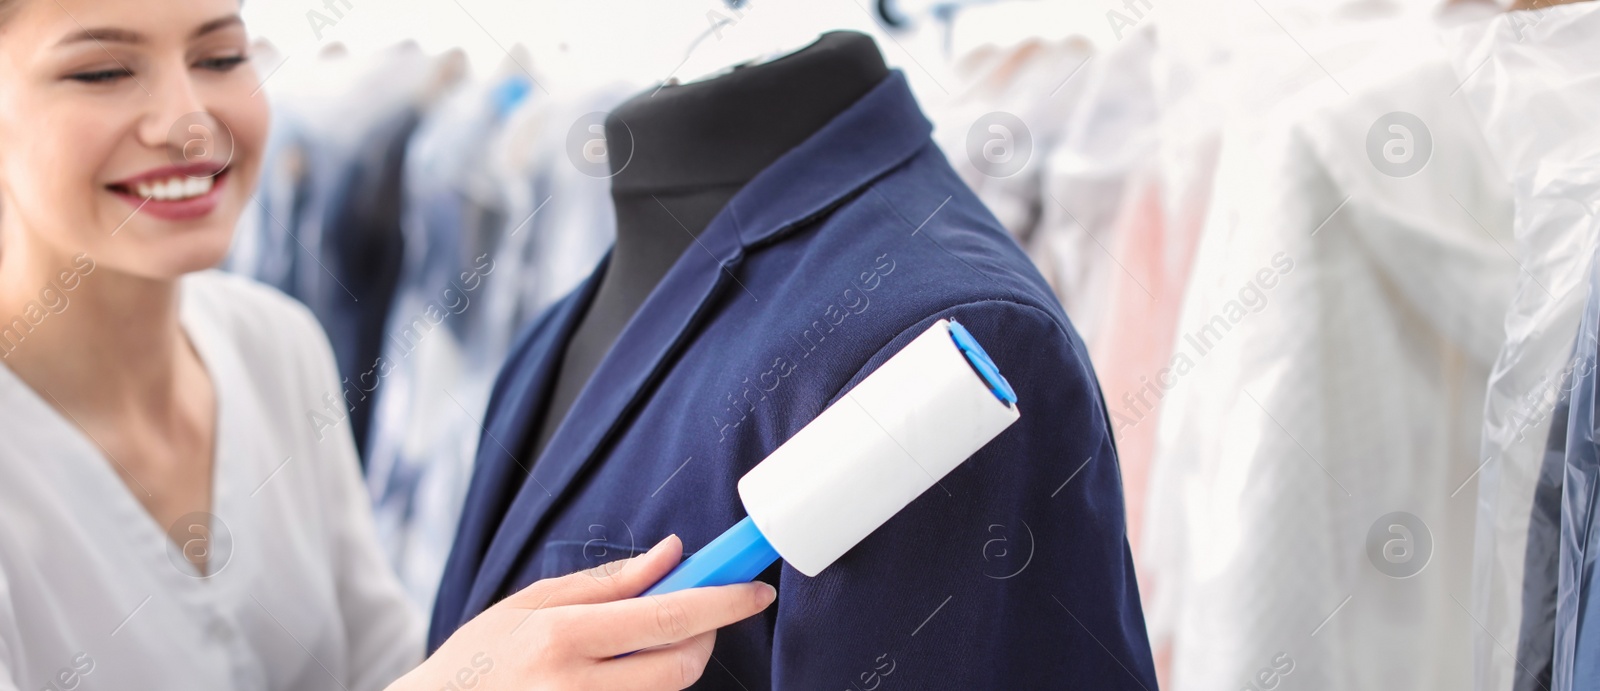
{"x":174,"y":188}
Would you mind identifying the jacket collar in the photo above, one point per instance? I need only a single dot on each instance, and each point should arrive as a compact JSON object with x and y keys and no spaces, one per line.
{"x":872,"y":136}
{"x":877,"y":133}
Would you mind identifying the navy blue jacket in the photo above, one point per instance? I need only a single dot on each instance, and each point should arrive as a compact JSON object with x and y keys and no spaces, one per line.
{"x":1012,"y":572}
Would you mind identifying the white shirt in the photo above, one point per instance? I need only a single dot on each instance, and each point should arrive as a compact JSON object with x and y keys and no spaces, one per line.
{"x":93,"y":594}
{"x":1336,"y":341}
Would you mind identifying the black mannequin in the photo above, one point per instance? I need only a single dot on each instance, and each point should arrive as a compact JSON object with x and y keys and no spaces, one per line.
{"x":693,"y":147}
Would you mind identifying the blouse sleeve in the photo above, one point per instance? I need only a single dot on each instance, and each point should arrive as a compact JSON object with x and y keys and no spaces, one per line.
{"x":384,"y":629}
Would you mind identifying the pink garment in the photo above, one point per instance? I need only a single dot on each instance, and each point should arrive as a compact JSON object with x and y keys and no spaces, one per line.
{"x":1155,"y":249}
{"x":1157,"y":231}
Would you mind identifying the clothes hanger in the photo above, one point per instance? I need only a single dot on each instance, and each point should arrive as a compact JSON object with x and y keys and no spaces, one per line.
{"x":900,"y":16}
{"x":729,"y":42}
{"x":966,"y":25}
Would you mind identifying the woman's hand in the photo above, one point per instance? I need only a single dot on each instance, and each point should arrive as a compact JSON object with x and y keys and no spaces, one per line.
{"x":566,"y":633}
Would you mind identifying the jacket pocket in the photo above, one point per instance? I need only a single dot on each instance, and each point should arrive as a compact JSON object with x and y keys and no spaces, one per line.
{"x":562,"y":557}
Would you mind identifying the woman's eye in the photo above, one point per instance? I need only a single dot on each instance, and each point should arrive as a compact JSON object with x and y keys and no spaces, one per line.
{"x":101,"y":76}
{"x":222,"y":64}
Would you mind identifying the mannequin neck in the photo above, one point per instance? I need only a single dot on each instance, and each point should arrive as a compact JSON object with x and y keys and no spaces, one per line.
{"x":722,"y":131}
{"x":681,"y":152}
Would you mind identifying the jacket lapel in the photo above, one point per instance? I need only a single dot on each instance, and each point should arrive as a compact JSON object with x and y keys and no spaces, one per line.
{"x":641,"y":352}
{"x":520,"y":396}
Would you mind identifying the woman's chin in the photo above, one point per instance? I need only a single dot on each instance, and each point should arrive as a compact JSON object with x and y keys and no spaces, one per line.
{"x":172,"y":256}
{"x":166,"y":248}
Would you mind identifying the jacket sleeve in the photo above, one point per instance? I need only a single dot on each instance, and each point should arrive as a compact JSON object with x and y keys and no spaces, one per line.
{"x":1013,"y":571}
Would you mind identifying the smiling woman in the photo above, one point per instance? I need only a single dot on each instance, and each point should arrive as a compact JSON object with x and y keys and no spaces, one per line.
{"x":169,"y":515}
{"x":133,"y":116}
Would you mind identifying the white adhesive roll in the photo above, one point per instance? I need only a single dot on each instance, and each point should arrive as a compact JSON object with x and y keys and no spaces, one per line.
{"x":873,"y":451}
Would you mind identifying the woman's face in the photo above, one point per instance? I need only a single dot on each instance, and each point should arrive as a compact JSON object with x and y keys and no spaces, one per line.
{"x":130,"y":130}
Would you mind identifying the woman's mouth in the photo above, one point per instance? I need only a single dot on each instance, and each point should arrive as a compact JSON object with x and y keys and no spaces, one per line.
{"x":174,"y":197}
{"x":175,"y":188}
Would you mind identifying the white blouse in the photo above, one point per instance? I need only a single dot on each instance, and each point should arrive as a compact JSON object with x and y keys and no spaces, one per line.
{"x":94,"y":594}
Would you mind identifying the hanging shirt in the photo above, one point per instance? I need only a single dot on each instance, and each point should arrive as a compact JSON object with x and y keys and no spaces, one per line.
{"x":1329,"y":370}
{"x":1013,"y":572}
{"x":498,"y":225}
{"x":1029,"y":81}
{"x":421,"y":437}
{"x":326,"y":228}
{"x":298,"y":598}
{"x":1085,"y":182}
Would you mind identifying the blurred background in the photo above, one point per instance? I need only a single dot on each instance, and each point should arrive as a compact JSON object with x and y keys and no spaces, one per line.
{"x":1331,"y":260}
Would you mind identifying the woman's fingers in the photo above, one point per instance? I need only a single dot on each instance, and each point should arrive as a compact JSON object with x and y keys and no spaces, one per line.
{"x":613,"y":628}
{"x":573,"y":628}
{"x":623,"y":578}
{"x":677,"y":666}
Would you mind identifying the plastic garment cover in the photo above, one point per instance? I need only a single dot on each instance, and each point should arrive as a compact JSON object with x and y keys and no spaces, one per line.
{"x":1576,"y":604}
{"x":1087,"y":189}
{"x":1170,"y":166}
{"x":1533,"y":80}
{"x":1212,"y":63}
{"x":1328,"y":372}
{"x":1575,"y":658}
{"x":1556,"y":647}
{"x":1048,"y":133}
{"x":1216,"y":63}
{"x":1029,"y":81}
{"x":999,"y":130}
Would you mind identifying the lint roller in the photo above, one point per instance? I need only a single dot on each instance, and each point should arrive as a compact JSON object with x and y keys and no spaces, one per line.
{"x":891,"y":437}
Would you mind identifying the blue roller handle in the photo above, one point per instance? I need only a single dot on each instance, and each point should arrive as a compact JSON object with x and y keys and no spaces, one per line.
{"x":736,"y":556}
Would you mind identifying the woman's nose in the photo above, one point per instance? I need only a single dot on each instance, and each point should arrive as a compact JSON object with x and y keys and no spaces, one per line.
{"x":178,"y":118}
